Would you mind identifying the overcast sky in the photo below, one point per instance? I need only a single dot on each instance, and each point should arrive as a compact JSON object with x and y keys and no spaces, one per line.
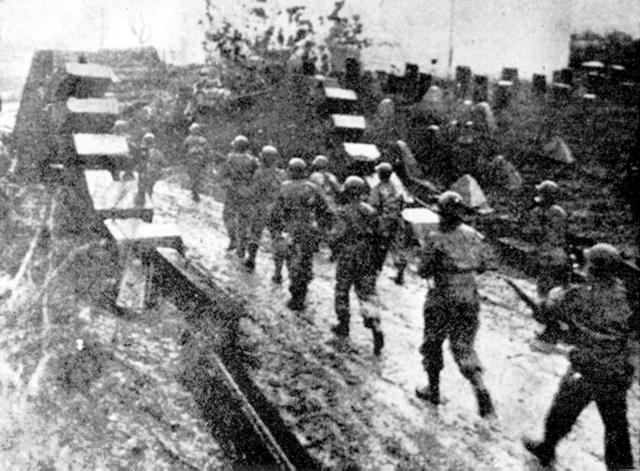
{"x":171,"y":25}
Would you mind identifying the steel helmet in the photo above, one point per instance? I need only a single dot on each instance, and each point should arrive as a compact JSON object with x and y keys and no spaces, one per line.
{"x":547,"y":191}
{"x":194,"y":128}
{"x":450,"y":203}
{"x":240,"y":143}
{"x":120,"y":126}
{"x":148,"y":138}
{"x":384,"y":170}
{"x":602,"y":259}
{"x":269,"y":154}
{"x":296,"y":167}
{"x":320,"y":162}
{"x":354,"y":185}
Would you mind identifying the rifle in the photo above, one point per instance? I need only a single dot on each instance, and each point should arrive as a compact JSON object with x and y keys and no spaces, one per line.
{"x":534,"y":306}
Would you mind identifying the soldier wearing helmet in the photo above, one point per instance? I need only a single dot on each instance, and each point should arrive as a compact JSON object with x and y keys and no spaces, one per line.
{"x":388,"y":202}
{"x":451,"y":255}
{"x":120,"y":128}
{"x":547,"y":229}
{"x":266,"y":185}
{"x":600,"y":325}
{"x":150,"y":164}
{"x":352,"y":241}
{"x":325,"y":180}
{"x":237,"y":180}
{"x":198,"y":153}
{"x":300,"y":215}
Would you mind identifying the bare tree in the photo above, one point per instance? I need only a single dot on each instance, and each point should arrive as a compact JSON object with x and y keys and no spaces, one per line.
{"x":139,"y":29}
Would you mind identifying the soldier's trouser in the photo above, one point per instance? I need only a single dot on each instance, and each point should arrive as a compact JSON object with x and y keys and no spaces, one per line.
{"x":229,"y":219}
{"x":300,"y":267}
{"x":242,"y":228}
{"x":552,"y":272}
{"x":195,"y":178}
{"x":574,"y":394}
{"x":348,"y":274}
{"x":382,"y":249}
{"x":457,"y":321}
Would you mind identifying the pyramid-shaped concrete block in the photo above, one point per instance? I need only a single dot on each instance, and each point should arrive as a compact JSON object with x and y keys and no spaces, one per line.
{"x":558,"y":150}
{"x":472,"y":195}
{"x":505,"y":174}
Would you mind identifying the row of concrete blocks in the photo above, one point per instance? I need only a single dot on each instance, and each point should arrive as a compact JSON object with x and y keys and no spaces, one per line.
{"x":82,"y":112}
{"x":347,"y":126}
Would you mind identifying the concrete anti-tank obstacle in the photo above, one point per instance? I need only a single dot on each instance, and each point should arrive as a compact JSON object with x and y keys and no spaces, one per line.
{"x":539,"y":85}
{"x":463,"y":81}
{"x":503,"y":94}
{"x":480,"y":88}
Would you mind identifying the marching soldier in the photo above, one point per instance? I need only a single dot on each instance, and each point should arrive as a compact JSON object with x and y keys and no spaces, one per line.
{"x":324,"y":179}
{"x":451,"y":255}
{"x":549,"y":231}
{"x":150,"y":165}
{"x":387,"y":201}
{"x":237,"y":179}
{"x":353,"y":245}
{"x":266,"y":185}
{"x":299,"y":215}
{"x":198,"y":152}
{"x":600,"y":326}
{"x":120,"y":128}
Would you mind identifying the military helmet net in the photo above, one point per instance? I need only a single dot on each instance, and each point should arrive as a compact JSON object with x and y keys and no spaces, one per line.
{"x":602,"y":259}
{"x":269,"y":154}
{"x":548,"y":189}
{"x":120,"y":126}
{"x":384,"y":169}
{"x":194,"y":128}
{"x":296,"y":167}
{"x":320,"y":162}
{"x":240,"y":143}
{"x":450,"y":203}
{"x":149,"y":138}
{"x":354,"y":185}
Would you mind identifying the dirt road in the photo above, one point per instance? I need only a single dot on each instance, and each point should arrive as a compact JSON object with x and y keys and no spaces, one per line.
{"x":350,"y":408}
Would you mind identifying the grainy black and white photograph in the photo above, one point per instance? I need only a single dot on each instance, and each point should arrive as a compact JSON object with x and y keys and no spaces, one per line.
{"x":317,"y":235}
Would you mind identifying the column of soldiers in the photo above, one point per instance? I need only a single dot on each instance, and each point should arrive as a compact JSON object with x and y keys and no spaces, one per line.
{"x":304,"y":207}
{"x":361,"y":225}
{"x":300,"y":210}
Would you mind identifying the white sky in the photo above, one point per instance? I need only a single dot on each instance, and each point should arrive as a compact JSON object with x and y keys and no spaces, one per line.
{"x":26,"y":25}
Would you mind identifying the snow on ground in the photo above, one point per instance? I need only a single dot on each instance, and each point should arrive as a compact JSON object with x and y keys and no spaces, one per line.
{"x":348,"y":407}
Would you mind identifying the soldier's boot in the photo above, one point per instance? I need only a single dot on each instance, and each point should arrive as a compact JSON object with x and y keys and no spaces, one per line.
{"x":241,"y":247}
{"x":195,"y":196}
{"x":545,"y":452}
{"x":485,"y":405}
{"x":298,"y":295}
{"x":431,"y":392}
{"x":342,"y":328}
{"x":277,"y":275}
{"x":296,"y":303}
{"x":251,"y":260}
{"x":399,"y":278}
{"x":378,"y":336}
{"x":378,"y":341}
